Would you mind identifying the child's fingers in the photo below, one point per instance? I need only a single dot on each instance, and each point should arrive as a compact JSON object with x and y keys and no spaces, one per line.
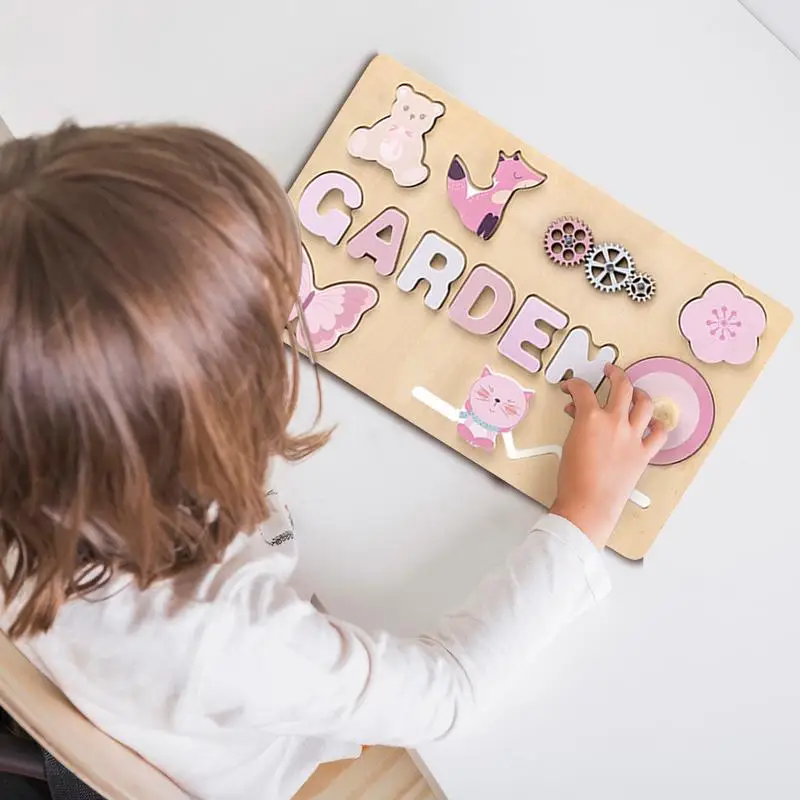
{"x":641,"y":411}
{"x":619,"y":401}
{"x":656,"y":438}
{"x":583,"y":397}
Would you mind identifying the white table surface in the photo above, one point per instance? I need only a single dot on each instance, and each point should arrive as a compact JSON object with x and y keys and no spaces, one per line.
{"x":684,"y":683}
{"x":781,"y":17}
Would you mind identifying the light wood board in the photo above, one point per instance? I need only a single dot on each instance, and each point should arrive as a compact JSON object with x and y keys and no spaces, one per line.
{"x":381,"y":773}
{"x":401,"y":343}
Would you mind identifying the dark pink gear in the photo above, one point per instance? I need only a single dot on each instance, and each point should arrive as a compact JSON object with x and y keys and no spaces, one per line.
{"x":567,"y":241}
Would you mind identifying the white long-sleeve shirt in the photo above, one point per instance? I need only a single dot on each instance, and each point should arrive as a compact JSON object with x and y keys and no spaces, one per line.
{"x":237,"y":688}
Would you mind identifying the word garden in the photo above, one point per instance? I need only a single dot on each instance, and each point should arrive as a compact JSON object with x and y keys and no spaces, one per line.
{"x":456,"y":275}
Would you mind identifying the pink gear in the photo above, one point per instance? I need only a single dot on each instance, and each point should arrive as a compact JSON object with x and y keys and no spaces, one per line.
{"x":567,"y":240}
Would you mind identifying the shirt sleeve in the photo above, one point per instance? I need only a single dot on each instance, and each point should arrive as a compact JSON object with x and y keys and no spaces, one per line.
{"x":273,"y":661}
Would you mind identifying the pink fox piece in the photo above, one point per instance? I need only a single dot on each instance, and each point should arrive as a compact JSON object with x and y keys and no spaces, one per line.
{"x":482,"y":209}
{"x":495,"y":404}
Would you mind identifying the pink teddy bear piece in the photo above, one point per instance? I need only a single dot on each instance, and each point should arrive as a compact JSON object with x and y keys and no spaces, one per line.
{"x":397,"y":142}
{"x":723,"y":325}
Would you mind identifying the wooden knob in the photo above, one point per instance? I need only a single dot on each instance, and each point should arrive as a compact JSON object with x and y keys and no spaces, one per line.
{"x":666,"y":411}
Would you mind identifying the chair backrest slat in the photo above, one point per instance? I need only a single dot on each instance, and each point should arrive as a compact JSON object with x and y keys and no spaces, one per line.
{"x":46,"y":714}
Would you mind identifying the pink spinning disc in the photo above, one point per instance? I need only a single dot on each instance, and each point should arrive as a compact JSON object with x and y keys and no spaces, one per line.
{"x":667,"y":377}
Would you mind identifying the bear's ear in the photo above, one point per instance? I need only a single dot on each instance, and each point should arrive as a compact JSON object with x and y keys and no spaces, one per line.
{"x":486,"y":371}
{"x":403,"y":91}
{"x":438,"y":110}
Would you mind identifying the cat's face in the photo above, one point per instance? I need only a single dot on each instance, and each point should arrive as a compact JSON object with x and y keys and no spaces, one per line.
{"x":415,"y":111}
{"x":499,"y":400}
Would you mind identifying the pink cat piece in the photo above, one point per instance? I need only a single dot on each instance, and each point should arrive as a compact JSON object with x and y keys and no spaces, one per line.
{"x":482,"y":209}
{"x":330,"y":312}
{"x":495,"y":404}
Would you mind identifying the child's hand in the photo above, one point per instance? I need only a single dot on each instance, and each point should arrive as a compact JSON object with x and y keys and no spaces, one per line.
{"x":605,"y":454}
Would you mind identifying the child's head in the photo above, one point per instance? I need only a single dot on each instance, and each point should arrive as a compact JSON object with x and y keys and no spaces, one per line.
{"x":146,"y":275}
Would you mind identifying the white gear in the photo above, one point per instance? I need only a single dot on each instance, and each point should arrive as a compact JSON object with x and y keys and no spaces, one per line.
{"x":609,"y":267}
{"x":641,"y":288}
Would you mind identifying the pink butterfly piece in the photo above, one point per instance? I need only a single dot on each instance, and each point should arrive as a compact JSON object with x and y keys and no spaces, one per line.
{"x":330,"y":312}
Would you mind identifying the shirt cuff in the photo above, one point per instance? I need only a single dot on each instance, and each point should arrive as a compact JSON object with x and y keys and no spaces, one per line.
{"x":572,"y":537}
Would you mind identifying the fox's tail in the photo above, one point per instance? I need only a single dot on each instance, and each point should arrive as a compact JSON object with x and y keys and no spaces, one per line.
{"x":457,"y":182}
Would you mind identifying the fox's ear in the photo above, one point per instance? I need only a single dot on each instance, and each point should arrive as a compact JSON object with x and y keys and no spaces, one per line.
{"x":486,"y":371}
{"x":517,"y":155}
{"x":529,"y":393}
{"x":503,"y":156}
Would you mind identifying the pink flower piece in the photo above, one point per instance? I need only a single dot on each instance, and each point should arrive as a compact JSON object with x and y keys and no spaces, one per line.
{"x":723,"y":324}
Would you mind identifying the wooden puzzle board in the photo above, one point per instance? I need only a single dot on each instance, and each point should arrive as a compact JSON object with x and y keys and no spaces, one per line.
{"x":401,"y":343}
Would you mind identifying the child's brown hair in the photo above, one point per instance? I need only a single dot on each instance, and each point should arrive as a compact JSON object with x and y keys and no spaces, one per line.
{"x":146,"y":276}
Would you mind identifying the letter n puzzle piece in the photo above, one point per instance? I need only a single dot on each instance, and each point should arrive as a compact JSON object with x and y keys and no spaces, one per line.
{"x":573,"y":357}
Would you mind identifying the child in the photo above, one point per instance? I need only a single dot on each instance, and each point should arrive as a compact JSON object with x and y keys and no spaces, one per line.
{"x":146,"y":277}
